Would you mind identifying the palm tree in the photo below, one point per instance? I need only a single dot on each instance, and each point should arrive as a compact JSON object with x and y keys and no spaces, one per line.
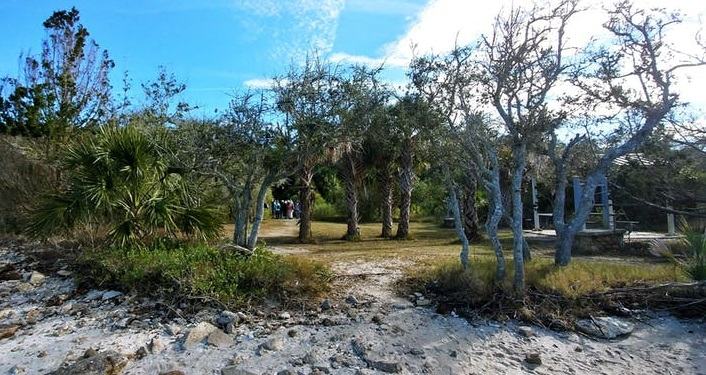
{"x":119,"y":179}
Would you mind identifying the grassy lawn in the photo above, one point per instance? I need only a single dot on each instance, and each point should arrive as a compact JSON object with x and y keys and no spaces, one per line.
{"x":430,"y":244}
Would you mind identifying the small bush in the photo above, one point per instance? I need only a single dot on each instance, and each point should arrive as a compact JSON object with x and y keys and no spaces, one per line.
{"x":200,"y":271}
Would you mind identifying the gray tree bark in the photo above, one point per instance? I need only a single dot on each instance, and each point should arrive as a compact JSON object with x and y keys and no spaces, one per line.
{"x":471,"y":225}
{"x":495,"y":214}
{"x":306,"y":198}
{"x":350,"y":174}
{"x":518,"y":151}
{"x":559,"y":210}
{"x":259,"y":211}
{"x":455,"y":206}
{"x":386,"y":181}
{"x":241,"y":208}
{"x":406,"y":186}
{"x":565,"y":238}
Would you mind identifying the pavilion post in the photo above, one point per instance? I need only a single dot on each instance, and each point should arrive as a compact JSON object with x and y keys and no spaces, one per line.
{"x":604,"y":202}
{"x":671,"y":230}
{"x":535,"y":205}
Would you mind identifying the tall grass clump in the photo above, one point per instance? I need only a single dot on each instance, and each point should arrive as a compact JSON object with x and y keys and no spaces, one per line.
{"x":205,"y":273}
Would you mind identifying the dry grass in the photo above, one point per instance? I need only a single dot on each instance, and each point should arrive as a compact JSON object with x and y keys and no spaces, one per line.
{"x":433,"y":256}
{"x":580,"y":278}
{"x":23,"y":178}
{"x":555,"y":295}
{"x":583,"y":277}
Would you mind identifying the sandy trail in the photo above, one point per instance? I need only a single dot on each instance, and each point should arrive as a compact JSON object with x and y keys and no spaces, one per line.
{"x":394,"y":335}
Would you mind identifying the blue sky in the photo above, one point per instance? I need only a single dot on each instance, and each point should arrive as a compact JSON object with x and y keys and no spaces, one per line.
{"x":219,"y":46}
{"x":216,"y":46}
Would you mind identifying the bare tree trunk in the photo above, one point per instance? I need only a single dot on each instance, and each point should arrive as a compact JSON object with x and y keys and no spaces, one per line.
{"x":406,"y":186}
{"x":350,"y":174}
{"x":241,"y":209}
{"x":561,"y":255}
{"x":455,"y":206}
{"x":236,"y":221}
{"x":259,"y":211}
{"x":306,"y":200}
{"x":526,"y":251}
{"x":471,"y":225}
{"x":565,"y":238}
{"x":495,"y":214}
{"x":559,"y":211}
{"x":567,"y":234}
{"x":386,"y":181}
{"x":518,"y":239}
{"x":239,"y":231}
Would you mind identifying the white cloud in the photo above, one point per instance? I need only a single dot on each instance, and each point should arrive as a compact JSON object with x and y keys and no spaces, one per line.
{"x":436,"y":28}
{"x":443,"y":23}
{"x":294,"y":27}
{"x":342,"y":57}
{"x":440,"y":25}
{"x":259,"y":83}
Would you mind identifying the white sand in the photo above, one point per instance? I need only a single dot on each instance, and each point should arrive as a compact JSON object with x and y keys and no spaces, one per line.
{"x":420,"y":340}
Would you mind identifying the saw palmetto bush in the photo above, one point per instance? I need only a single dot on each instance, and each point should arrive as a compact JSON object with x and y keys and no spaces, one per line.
{"x":120,"y":180}
{"x":688,"y":251}
{"x":695,"y":241}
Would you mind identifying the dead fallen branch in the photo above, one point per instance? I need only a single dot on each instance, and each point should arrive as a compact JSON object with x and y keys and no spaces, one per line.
{"x":556,"y":311}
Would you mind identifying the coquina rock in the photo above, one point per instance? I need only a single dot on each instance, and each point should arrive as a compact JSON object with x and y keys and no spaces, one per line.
{"x":605,"y":327}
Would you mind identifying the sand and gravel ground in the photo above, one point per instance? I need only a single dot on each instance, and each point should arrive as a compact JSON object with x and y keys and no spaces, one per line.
{"x":373,"y":332}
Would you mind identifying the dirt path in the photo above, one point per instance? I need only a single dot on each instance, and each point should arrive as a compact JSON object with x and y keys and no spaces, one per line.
{"x":362,"y":328}
{"x":284,"y":230}
{"x":354,"y":277}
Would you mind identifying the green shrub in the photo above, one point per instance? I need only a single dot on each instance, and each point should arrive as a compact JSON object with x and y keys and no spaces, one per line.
{"x":200,"y":271}
{"x":325,"y":211}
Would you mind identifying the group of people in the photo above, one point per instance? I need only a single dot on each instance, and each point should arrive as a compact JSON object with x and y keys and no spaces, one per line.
{"x":285,"y":209}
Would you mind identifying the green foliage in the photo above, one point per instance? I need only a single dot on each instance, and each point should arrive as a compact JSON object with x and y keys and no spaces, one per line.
{"x":429,"y":198}
{"x":65,"y":87}
{"x":325,"y":211}
{"x":119,"y":179}
{"x":198,"y":271}
{"x":22,"y":111}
